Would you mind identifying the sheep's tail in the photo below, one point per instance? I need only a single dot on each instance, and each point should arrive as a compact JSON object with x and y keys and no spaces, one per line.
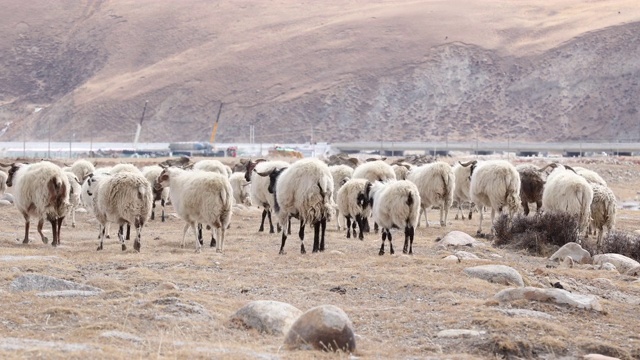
{"x":448,"y":181}
{"x":585,"y":209}
{"x":225,"y":200}
{"x":319,"y":205}
{"x":610,"y":214}
{"x":57,"y":190}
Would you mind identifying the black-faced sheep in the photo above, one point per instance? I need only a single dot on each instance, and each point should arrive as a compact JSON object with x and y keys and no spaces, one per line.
{"x":396,"y":204}
{"x":259,"y":191}
{"x":495,"y":184}
{"x":41,"y":191}
{"x":304,"y":191}
{"x":151,"y":173}
{"x":353,"y":203}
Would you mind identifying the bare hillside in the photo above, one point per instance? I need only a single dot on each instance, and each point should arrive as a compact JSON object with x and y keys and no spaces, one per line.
{"x":340,"y":71}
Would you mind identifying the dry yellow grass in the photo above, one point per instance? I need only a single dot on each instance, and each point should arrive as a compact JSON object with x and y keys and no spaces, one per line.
{"x":397,"y":303}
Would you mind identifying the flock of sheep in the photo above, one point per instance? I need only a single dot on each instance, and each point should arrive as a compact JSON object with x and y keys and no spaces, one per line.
{"x":394,"y":195}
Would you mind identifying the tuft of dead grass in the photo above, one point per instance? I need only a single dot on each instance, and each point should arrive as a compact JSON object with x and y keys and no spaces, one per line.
{"x":618,"y":242}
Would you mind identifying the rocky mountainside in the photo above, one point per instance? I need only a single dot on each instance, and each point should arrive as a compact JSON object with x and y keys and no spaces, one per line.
{"x":320,"y":71}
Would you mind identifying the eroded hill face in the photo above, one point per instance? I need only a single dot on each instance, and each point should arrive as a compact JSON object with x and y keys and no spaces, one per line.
{"x":358,"y":70}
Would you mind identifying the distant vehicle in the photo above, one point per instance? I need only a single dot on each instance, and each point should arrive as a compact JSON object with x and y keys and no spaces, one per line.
{"x":232,"y":151}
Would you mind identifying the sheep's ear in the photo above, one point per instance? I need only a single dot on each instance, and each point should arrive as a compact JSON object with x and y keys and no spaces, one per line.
{"x":5,"y":165}
{"x":344,"y":181}
{"x":188,"y":166}
{"x":354,"y":161}
{"x":407,"y":166}
{"x":569,"y":168}
{"x":371,"y":159}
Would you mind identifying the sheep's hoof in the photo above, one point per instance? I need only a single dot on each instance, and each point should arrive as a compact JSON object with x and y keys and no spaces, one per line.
{"x":219,"y":251}
{"x":348,"y":235}
{"x":381,"y":252}
{"x":99,"y":247}
{"x":456,"y":218}
{"x":124,"y":247}
{"x":282,"y":252}
{"x":73,"y":225}
{"x":271,"y":231}
{"x":443,"y":224}
{"x":108,"y":236}
{"x":54,"y":244}
{"x":25,"y":241}
{"x":480,"y":234}
{"x":163,"y":219}
{"x":45,"y":240}
{"x":213,"y":243}
{"x":198,"y":250}
{"x":181,"y":246}
{"x":302,"y":250}
{"x":392,"y":252}
{"x":136,"y":246}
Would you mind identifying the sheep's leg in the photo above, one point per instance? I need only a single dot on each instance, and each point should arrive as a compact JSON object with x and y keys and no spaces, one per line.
{"x":102,"y":232}
{"x":316,"y":236}
{"x":198,"y":238}
{"x":26,"y":229}
{"x":289,"y":227}
{"x":108,"y":227}
{"x":420,"y":217}
{"x":525,"y":207}
{"x":128,"y":232}
{"x":471,"y":206}
{"x":162,"y":203}
{"x":348,"y":217}
{"x":493,"y":216}
{"x":538,"y":206}
{"x":136,"y":243}
{"x":199,"y":232}
{"x":390,"y":243}
{"x":270,"y":223}
{"x":40,"y":225}
{"x":599,"y":239}
{"x":220,"y":246}
{"x":479,"y":233}
{"x":384,"y":237}
{"x":323,"y":228}
{"x":366,"y":225}
{"x":360,"y":222}
{"x":184,"y":233}
{"x":284,"y":239}
{"x":73,"y":217}
{"x":375,"y":227}
{"x":121,"y":237}
{"x":338,"y":221}
{"x":300,"y":234}
{"x":54,"y":231}
{"x":409,"y":232}
{"x":264,"y":216}
{"x":153,"y":210}
{"x":213,"y":239}
{"x":59,"y":225}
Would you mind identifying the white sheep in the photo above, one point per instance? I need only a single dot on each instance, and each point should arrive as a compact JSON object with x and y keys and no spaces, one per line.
{"x":88,"y":197}
{"x":353,"y":202}
{"x":565,"y":191}
{"x":124,"y":167}
{"x":341,"y":174}
{"x":603,"y":211}
{"x":200,"y":197}
{"x":259,"y":191}
{"x":3,"y":181}
{"x":304,"y":190}
{"x":41,"y":191}
{"x":591,"y":176}
{"x":75,"y":190}
{"x":462,"y":187}
{"x":123,"y":198}
{"x":435,"y":182}
{"x":396,"y":204}
{"x":241,"y":188}
{"x":213,"y":166}
{"x":495,"y":184}
{"x":82,"y":168}
{"x":151,"y":173}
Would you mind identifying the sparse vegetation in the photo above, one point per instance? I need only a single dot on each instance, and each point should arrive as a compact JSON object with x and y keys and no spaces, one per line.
{"x":619,"y":242}
{"x":540,"y":234}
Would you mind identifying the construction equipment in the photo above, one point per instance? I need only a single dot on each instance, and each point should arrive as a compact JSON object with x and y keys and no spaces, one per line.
{"x":215,"y":126}
{"x":139,"y":128}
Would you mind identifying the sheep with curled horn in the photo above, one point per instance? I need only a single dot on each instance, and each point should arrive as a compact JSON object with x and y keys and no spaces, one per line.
{"x":462,"y":173}
{"x":343,"y":159}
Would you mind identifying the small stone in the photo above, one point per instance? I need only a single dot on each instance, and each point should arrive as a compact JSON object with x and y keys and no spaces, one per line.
{"x":69,"y":293}
{"x":7,"y":197}
{"x":5,"y":203}
{"x":325,"y":327}
{"x":168,"y":286}
{"x":608,"y":266}
{"x":113,"y":334}
{"x":37,"y":282}
{"x":599,"y":357}
{"x":621,"y":262}
{"x":271,"y":317}
{"x":451,"y":258}
{"x":558,"y":296}
{"x":526,"y":313}
{"x":458,"y":238}
{"x":459,"y":333}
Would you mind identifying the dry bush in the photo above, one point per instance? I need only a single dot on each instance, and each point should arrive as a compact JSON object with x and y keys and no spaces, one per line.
{"x":618,"y":242}
{"x":539,"y":234}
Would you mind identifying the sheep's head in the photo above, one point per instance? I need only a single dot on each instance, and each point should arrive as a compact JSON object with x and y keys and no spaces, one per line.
{"x":12,"y":171}
{"x":472,"y":164}
{"x":163,"y":179}
{"x":251,"y":165}
{"x":364,"y":198}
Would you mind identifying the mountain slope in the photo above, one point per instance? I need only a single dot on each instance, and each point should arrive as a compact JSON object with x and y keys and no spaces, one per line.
{"x":322,"y":71}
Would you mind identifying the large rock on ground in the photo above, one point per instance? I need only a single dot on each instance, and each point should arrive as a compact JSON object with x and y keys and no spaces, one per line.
{"x":458,"y":238}
{"x":271,"y":317}
{"x":621,"y":262}
{"x":574,"y":251}
{"x":558,"y":296}
{"x":37,"y":282}
{"x":324,"y":327}
{"x":499,"y":274}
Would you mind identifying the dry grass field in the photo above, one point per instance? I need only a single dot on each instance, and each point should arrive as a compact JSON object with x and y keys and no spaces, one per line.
{"x":178,"y":302}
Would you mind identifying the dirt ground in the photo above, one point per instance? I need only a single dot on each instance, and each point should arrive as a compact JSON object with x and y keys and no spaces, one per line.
{"x":178,"y":302}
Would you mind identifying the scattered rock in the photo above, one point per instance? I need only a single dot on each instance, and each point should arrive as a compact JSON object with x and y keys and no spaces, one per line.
{"x":607,"y":266}
{"x":325,"y":327}
{"x":621,"y":262}
{"x":451,"y":258}
{"x":339,"y":289}
{"x":178,"y":308}
{"x":31,"y":345}
{"x":464,"y":255}
{"x":574,"y":251}
{"x":457,"y":333}
{"x":69,"y":293}
{"x":8,"y":198}
{"x":37,"y":282}
{"x":122,"y":336}
{"x":588,"y":302}
{"x":599,"y":357}
{"x":29,"y":258}
{"x":526,"y":313}
{"x":5,"y":203}
{"x":271,"y":317}
{"x":499,"y":274}
{"x":168,"y":286}
{"x":459,"y":238}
